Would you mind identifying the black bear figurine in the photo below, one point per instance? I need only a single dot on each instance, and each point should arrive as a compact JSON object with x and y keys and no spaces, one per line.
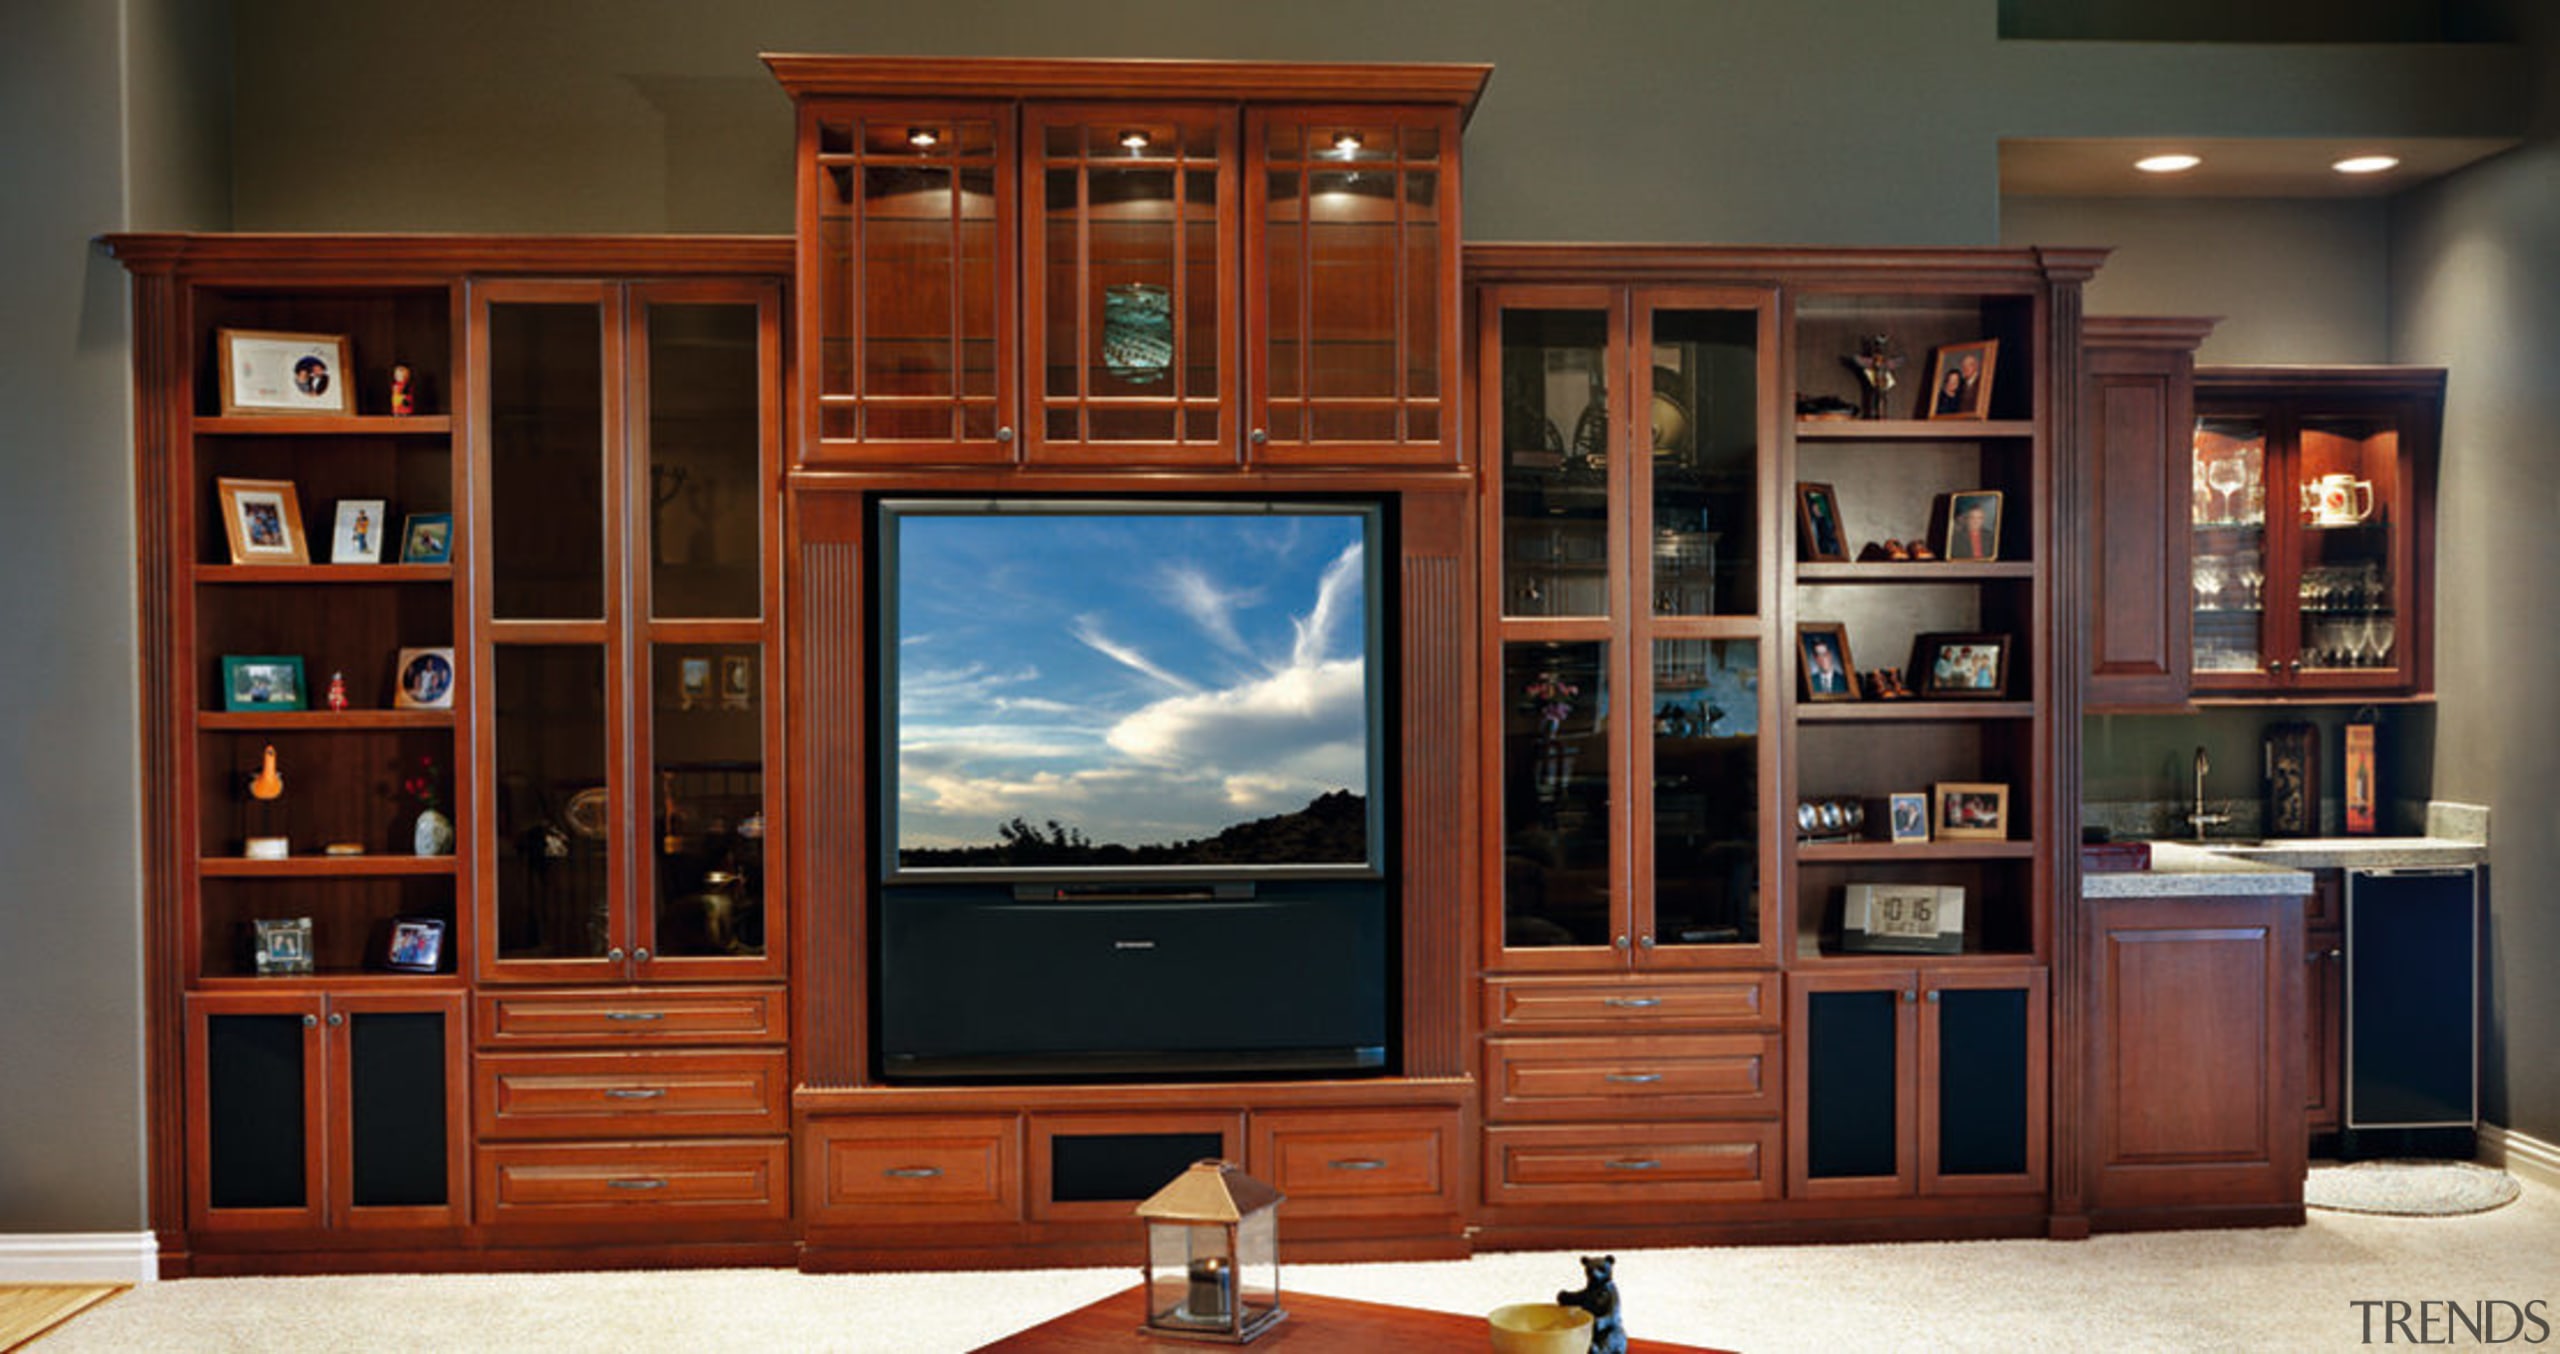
{"x":1599,"y":1296}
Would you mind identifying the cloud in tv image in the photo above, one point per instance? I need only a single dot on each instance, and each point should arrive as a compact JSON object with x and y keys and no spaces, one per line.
{"x":1131,"y":688}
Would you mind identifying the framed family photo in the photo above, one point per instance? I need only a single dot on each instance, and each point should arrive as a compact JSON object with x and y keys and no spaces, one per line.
{"x":268,"y":372}
{"x":1960,"y":380}
{"x":263,"y":521}
{"x":1966,"y":666}
{"x":1823,"y":648}
{"x":1818,"y":528}
{"x":1970,"y":811}
{"x":426,"y":680}
{"x":415,"y":945}
{"x":358,"y":536}
{"x":427,"y":538}
{"x":263,"y":682}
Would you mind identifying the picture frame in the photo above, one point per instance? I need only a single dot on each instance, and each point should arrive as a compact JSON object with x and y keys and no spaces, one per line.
{"x":414,"y":945}
{"x":280,"y":945}
{"x":357,"y":537}
{"x":1821,"y":537}
{"x":263,"y":521}
{"x":737,"y":682}
{"x":426,"y":538}
{"x":1907,"y":817}
{"x":693,"y":682}
{"x":1969,"y":811}
{"x":264,"y":682}
{"x":1835,"y":680}
{"x":268,"y":371}
{"x":425,"y":679}
{"x":1883,"y":918}
{"x":1960,"y":380}
{"x":1968,"y":526}
{"x":1967,"y":665}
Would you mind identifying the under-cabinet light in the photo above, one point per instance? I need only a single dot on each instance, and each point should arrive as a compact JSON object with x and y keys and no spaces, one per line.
{"x":2177,"y":163}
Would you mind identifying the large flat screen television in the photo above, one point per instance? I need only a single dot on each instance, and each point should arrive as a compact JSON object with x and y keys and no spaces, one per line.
{"x":1131,"y":786}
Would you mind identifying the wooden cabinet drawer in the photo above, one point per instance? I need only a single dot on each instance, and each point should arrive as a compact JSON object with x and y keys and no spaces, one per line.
{"x":1669,"y":1076}
{"x":634,"y":1016}
{"x":1636,"y":1164}
{"x":1741,"y":1001}
{"x":886,"y":1171}
{"x":635,"y":1093}
{"x":1344,"y":1163}
{"x":692,"y":1180}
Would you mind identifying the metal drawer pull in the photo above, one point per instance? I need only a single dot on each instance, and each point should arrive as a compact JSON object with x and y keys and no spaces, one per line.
{"x":912,"y":1172}
{"x":635,"y":1015}
{"x":635,"y":1184}
{"x":635,"y":1092}
{"x":1358,"y":1164}
{"x":1636,"y":1078}
{"x":1635,"y":1164}
{"x":1632,"y":1003}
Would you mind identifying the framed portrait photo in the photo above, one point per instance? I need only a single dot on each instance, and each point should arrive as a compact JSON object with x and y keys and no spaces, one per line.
{"x":1907,"y":816}
{"x":280,"y":945}
{"x":357,"y":538}
{"x":1960,"y":666}
{"x":268,"y":372}
{"x":1970,"y":811}
{"x":426,"y":680}
{"x":263,"y":682}
{"x":1969,"y":526}
{"x":737,"y":682}
{"x":1960,"y":380}
{"x":1822,"y":653}
{"x":263,"y":521}
{"x":1820,"y":536}
{"x":414,"y":945}
{"x":427,"y":538}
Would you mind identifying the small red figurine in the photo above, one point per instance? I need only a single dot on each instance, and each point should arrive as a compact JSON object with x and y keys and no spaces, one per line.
{"x":402,"y":401}
{"x":337,"y":691}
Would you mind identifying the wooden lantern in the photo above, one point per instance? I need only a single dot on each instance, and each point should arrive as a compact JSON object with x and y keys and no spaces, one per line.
{"x":1213,"y":1259}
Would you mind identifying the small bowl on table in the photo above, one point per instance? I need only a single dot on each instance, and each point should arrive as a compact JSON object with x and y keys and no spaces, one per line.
{"x":1539,"y":1328}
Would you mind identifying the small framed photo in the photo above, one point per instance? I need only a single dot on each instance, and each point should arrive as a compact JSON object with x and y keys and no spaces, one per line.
{"x":263,"y":682}
{"x":737,"y":682}
{"x":358,"y":536}
{"x":1968,"y":666}
{"x":1822,"y":648}
{"x":427,"y":538}
{"x":266,"y":372}
{"x":693,"y":682}
{"x":281,"y":945}
{"x":263,"y":519}
{"x":1907,"y":816}
{"x":415,"y":945}
{"x":1819,"y":535}
{"x":1960,"y":380}
{"x":1969,"y":526}
{"x":426,"y":680}
{"x":1969,"y":811}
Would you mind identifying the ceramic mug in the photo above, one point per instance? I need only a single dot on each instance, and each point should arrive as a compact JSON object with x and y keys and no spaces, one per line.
{"x":2338,"y":500}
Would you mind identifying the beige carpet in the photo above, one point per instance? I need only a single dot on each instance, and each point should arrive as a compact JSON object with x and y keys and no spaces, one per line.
{"x":2280,"y":1289}
{"x":28,"y":1310}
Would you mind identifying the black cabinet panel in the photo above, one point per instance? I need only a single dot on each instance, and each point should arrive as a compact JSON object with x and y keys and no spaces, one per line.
{"x":396,"y":1119}
{"x":254,"y":1080}
{"x":1850,"y":1077}
{"x":1982,"y":1081}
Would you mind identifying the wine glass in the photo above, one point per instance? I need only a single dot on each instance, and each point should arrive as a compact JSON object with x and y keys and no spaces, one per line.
{"x":2226,"y":476}
{"x":2379,"y":639}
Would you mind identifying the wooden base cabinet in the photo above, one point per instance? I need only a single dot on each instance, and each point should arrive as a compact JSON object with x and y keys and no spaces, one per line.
{"x":2193,"y":1095}
{"x":1917,"y":1083}
{"x":311,"y":1110}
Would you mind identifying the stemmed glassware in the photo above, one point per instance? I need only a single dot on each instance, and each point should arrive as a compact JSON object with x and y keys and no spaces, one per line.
{"x":2226,"y":476}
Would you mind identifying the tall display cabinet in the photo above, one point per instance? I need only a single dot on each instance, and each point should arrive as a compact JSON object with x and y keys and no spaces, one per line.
{"x":347,"y":486}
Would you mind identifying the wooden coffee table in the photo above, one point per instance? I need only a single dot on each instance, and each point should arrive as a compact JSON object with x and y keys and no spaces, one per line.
{"x":1316,"y":1325}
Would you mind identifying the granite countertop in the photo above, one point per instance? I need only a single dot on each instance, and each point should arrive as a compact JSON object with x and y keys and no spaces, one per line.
{"x":2356,"y":853}
{"x":2180,"y":870}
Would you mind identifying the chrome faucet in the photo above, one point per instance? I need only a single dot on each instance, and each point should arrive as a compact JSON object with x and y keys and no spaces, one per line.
{"x":2197,"y":817}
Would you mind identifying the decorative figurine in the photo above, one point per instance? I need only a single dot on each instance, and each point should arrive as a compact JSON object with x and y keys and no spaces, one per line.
{"x":403,"y":400}
{"x":1599,"y":1296}
{"x":337,"y":691}
{"x":268,"y":783}
{"x":1876,"y":362}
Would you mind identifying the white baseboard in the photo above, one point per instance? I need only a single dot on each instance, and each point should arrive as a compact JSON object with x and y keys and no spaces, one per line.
{"x":2521,"y":1154}
{"x":79,"y":1257}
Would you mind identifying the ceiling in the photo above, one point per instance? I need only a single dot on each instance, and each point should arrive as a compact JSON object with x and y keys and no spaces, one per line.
{"x":2255,"y":167}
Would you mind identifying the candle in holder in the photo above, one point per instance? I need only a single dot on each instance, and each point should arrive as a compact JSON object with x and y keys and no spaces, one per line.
{"x":1212,"y":1295}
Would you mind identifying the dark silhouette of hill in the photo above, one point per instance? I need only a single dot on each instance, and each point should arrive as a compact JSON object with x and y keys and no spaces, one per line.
{"x":1332,"y":829}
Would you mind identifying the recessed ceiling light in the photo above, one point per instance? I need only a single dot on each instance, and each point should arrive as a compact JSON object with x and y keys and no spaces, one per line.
{"x":2167,"y":164}
{"x":923,"y":137}
{"x":1134,"y":139}
{"x":2366,"y":164}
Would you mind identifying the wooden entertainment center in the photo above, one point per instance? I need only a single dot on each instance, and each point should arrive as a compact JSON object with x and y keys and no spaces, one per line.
{"x":1626,"y":1006}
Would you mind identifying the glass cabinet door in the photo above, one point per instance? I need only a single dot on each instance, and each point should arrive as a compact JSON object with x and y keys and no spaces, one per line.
{"x":1555,"y":461}
{"x":2346,"y":555}
{"x":1355,"y":251}
{"x":912,"y":268}
{"x":2230,"y":522}
{"x":1130,"y":331}
{"x":1557,"y":853}
{"x":1706,"y":793}
{"x":1703,"y":424}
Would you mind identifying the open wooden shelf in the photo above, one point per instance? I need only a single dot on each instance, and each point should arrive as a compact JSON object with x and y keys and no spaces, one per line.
{"x":1869,"y":852}
{"x":320,"y":721}
{"x":1910,"y":711}
{"x":1915,"y":571}
{"x":324,"y":573}
{"x":376,"y":425}
{"x":1910,"y":429}
{"x":385,"y":865}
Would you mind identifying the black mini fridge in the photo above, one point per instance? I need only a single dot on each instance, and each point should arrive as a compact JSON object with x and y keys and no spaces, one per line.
{"x":2412,"y":1013}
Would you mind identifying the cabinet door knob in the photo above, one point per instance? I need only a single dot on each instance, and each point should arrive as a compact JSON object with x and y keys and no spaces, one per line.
{"x":1933,"y":995}
{"x":310,"y":1022}
{"x":337,"y":1018}
{"x":1004,"y":435}
{"x":1644,"y":942}
{"x":1260,"y":436}
{"x":1910,"y":995}
{"x":1620,"y":942}
{"x":614,"y":954}
{"x":641,"y":955}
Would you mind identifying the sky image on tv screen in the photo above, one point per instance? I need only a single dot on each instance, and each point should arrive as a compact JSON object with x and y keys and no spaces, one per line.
{"x":1141,"y":689}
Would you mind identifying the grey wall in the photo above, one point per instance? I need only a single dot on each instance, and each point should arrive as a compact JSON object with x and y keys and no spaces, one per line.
{"x":2476,"y":288}
{"x":71,"y":1136}
{"x":1709,"y":120}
